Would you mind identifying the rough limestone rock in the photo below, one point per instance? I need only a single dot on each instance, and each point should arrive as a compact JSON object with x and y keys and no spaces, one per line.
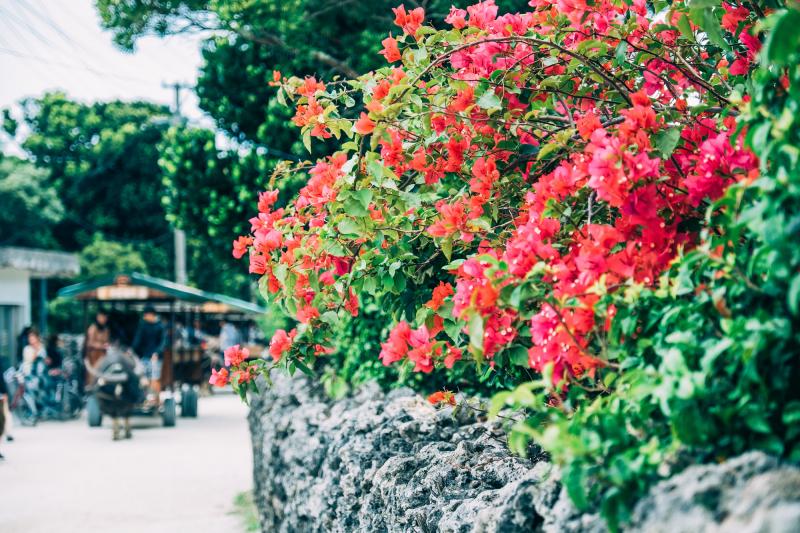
{"x":392,"y":463}
{"x":751,"y":493}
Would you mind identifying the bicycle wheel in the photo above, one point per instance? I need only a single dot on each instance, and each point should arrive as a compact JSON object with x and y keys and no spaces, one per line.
{"x":72,"y":403}
{"x":26,"y":411}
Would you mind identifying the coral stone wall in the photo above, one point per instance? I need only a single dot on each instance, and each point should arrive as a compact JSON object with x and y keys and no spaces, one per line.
{"x":391,"y":462}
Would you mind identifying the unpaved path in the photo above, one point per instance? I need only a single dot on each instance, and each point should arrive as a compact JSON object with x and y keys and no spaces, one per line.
{"x":66,"y":477}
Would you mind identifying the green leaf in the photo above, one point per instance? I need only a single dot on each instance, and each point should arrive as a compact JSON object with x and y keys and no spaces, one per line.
{"x":370,"y":285}
{"x":475,"y":328}
{"x":453,"y":265}
{"x":447,"y":247}
{"x":547,"y":149}
{"x":666,"y":140}
{"x":453,"y":329}
{"x":307,"y":371}
{"x":711,"y":26}
{"x":354,"y":207}
{"x":685,"y":27}
{"x":757,"y":422}
{"x":518,"y":355}
{"x":364,"y":196}
{"x":489,"y":100}
{"x":783,"y":41}
{"x":575,"y":482}
{"x":348,"y":226}
{"x":791,"y":413}
{"x":701,"y":4}
{"x":497,"y":403}
{"x":620,"y":54}
{"x":793,"y":296}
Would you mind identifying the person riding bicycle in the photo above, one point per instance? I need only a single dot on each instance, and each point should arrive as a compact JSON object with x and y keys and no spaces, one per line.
{"x":35,"y":369}
{"x":149,"y":344}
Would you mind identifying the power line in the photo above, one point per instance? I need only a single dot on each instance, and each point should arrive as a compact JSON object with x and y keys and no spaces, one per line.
{"x":81,"y":51}
{"x":91,"y":70}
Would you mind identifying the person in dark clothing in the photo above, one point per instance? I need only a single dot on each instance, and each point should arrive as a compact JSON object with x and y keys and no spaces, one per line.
{"x":3,"y":405}
{"x":149,"y":343}
{"x":55,"y":355}
{"x":117,"y":386}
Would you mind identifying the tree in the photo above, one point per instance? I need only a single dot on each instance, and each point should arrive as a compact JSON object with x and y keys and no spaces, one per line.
{"x":247,"y":43}
{"x":31,"y":207}
{"x":205,"y":194}
{"x":102,"y":160}
{"x":102,"y":257}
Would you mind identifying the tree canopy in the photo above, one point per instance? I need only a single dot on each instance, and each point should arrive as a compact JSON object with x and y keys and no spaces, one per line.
{"x":102,"y":160}
{"x":31,"y":208}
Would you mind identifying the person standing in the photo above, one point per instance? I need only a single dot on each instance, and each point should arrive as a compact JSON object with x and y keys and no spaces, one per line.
{"x":34,"y":368}
{"x":55,"y":355}
{"x":96,"y":342}
{"x":3,"y":407}
{"x":22,"y":342}
{"x":149,"y":343}
{"x":34,"y":356}
{"x":5,"y":399}
{"x":195,"y":335}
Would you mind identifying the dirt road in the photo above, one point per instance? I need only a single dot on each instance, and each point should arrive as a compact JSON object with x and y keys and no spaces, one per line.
{"x":66,"y":477}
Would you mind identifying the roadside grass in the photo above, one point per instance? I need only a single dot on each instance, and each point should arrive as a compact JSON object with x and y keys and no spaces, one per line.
{"x":245,"y":508}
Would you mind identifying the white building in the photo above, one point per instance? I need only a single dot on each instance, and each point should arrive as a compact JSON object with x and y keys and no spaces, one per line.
{"x":19,"y":268}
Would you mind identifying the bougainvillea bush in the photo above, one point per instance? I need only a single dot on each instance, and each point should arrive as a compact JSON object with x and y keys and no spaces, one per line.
{"x":591,"y":200}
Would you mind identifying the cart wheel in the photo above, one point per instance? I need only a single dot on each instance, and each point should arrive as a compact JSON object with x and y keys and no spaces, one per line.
{"x":169,"y":414}
{"x":93,"y":412}
{"x":189,"y":403}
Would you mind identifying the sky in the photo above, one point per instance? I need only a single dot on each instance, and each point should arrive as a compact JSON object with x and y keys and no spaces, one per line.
{"x":59,"y":45}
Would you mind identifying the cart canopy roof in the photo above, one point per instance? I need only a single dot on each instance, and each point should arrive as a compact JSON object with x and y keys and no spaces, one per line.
{"x":135,"y":287}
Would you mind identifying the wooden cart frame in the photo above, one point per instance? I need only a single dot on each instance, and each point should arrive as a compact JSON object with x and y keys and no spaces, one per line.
{"x":134,"y":291}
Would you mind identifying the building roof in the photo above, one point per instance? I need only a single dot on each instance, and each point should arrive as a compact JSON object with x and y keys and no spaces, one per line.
{"x":40,"y":263}
{"x":144,"y":288}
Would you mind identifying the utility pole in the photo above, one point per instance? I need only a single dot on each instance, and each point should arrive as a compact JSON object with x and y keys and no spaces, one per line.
{"x":177,"y":87}
{"x":179,"y":236}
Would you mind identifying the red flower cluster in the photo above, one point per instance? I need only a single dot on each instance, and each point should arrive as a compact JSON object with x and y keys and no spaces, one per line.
{"x":419,"y":346}
{"x":565,"y":159}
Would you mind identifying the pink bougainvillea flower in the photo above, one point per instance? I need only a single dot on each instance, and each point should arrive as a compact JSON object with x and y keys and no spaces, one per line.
{"x":364,"y":125}
{"x":457,"y":17}
{"x":258,"y":264}
{"x":280,"y":343}
{"x":440,"y":292}
{"x":390,"y":50}
{"x":235,"y":355}
{"x":442,"y":396}
{"x":219,"y":378}
{"x":396,"y":347}
{"x":307,"y":313}
{"x":266,"y":200}
{"x":351,"y":304}
{"x":240,"y":246}
{"x":409,"y":21}
{"x":310,"y":86}
{"x":453,"y":355}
